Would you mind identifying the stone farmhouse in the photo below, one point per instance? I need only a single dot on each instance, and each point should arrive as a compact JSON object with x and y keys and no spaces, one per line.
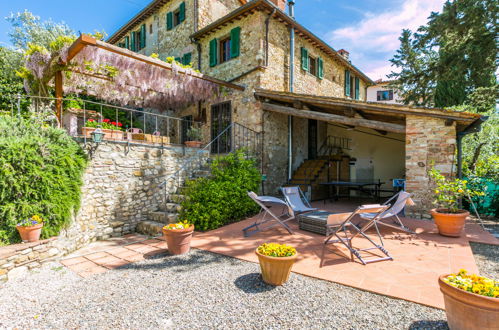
{"x":306,"y":100}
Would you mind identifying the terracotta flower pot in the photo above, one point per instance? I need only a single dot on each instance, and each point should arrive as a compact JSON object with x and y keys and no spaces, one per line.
{"x":30,"y":233}
{"x":113,"y":134}
{"x":449,"y":224}
{"x":466,"y":310}
{"x":193,"y":144}
{"x":178,"y":240}
{"x":275,"y":270}
{"x":87,"y":131}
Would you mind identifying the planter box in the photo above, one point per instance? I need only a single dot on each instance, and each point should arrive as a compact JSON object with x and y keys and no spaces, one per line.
{"x":136,"y":136}
{"x":109,"y":134}
{"x":466,"y":310}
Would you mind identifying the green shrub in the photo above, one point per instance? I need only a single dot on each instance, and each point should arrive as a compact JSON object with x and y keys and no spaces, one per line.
{"x":222,"y":198}
{"x":40,"y":173}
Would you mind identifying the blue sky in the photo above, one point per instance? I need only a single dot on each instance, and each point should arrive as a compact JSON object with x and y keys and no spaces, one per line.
{"x":368,"y":29}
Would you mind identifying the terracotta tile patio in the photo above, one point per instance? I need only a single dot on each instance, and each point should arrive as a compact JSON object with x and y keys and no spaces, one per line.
{"x":412,"y":275}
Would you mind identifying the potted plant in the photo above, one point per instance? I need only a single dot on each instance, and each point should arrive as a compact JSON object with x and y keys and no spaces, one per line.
{"x":448,"y":217}
{"x":112,"y":130}
{"x":178,"y":237}
{"x":30,"y":229}
{"x":471,"y":301}
{"x":194,"y":136}
{"x":276,"y":261}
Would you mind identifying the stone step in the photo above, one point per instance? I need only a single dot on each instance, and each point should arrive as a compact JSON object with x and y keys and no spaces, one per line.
{"x":175,"y":198}
{"x":163,"y":217}
{"x":170,"y":207}
{"x":150,"y":228}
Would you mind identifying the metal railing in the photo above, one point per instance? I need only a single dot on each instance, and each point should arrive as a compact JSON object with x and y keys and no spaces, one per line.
{"x":239,"y":136}
{"x":80,"y":117}
{"x":333,"y":144}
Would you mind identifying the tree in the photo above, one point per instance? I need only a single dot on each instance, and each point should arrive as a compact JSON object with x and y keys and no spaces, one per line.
{"x":450,"y":57}
{"x":10,"y":83}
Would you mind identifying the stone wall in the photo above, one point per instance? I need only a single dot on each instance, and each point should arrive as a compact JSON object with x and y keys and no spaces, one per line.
{"x":428,"y":140}
{"x":16,"y":259}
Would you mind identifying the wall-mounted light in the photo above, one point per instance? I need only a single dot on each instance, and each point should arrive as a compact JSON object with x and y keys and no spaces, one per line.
{"x":97,"y":135}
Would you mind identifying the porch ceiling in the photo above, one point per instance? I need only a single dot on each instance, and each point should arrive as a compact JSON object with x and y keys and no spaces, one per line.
{"x":381,"y":117}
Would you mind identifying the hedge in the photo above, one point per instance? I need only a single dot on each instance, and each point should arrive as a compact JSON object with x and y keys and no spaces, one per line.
{"x":41,"y":172}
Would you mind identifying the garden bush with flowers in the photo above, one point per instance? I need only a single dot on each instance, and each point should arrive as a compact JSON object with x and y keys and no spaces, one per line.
{"x":179,"y":225}
{"x":276,"y":250}
{"x":41,"y":171}
{"x":105,"y":124}
{"x":474,"y":283}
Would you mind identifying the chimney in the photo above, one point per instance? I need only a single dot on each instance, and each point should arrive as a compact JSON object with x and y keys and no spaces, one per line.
{"x":344,"y":53}
{"x":280,"y":3}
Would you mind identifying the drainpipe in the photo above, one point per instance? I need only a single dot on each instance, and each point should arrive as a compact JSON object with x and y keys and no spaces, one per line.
{"x":267,"y":22}
{"x":291,"y":4}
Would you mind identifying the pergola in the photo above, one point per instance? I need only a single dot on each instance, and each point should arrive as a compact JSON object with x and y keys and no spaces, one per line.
{"x":121,"y":76}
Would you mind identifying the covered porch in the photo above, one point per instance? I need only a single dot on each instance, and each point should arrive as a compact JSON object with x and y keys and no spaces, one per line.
{"x":325,"y":139}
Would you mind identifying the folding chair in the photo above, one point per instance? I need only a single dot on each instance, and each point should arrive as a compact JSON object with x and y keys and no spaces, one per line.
{"x":403,"y":199}
{"x":343,"y":223}
{"x":297,"y":200}
{"x":267,"y":203}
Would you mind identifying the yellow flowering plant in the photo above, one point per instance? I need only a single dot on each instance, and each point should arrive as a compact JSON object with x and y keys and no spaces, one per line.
{"x":276,"y":250}
{"x":34,"y":220}
{"x":179,"y":225}
{"x":448,"y":191}
{"x":474,"y":283}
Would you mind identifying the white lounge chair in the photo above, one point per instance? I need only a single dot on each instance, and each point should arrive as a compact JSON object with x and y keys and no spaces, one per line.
{"x":268,"y":204}
{"x":297,"y":200}
{"x":342,"y":222}
{"x":403,"y":199}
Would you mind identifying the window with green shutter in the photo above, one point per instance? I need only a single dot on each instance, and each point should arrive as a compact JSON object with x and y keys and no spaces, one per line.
{"x":320,"y":68}
{"x":213,"y":52}
{"x":357,"y":88}
{"x":178,"y":59}
{"x":132,"y":35}
{"x":186,"y":59}
{"x":347,"y":83}
{"x":235,"y":41}
{"x":169,"y":20}
{"x":181,"y":14}
{"x":127,"y":42}
{"x":143,"y":36}
{"x":304,"y":59}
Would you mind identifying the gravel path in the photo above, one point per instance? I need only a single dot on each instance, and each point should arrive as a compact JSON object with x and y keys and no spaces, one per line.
{"x":200,"y":290}
{"x":487,"y":259}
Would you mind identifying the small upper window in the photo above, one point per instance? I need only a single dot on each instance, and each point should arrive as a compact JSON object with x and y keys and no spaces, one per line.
{"x":312,"y":65}
{"x":150,"y":28}
{"x":176,"y":17}
{"x":224,"y":50}
{"x":385,"y":95}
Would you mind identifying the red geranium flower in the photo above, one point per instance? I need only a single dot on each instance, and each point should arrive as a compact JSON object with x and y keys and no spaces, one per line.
{"x":113,"y":123}
{"x":106,"y":120}
{"x":91,"y":120}
{"x":120,"y":124}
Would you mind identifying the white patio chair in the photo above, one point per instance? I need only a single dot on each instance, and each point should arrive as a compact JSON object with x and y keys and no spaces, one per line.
{"x":342,"y":222}
{"x":403,"y":199}
{"x":267,"y":203}
{"x":297,"y":200}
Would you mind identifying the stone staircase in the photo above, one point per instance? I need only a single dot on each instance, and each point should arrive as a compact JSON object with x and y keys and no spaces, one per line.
{"x":169,"y":212}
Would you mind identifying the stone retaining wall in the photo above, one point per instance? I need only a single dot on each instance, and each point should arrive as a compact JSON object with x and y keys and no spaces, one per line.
{"x":18,"y":258}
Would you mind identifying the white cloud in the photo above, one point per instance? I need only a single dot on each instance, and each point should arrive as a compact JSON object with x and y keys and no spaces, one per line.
{"x":373,"y":40}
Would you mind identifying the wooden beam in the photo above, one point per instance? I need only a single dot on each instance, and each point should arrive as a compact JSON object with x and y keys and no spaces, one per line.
{"x":363,"y":115}
{"x":59,"y":96}
{"x":327,"y":117}
{"x":78,"y":45}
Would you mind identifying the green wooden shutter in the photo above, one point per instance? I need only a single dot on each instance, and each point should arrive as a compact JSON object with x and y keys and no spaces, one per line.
{"x":143,"y":36}
{"x":181,"y":15}
{"x":320,"y":68}
{"x":304,"y":59}
{"x":357,"y":85}
{"x":169,"y":20}
{"x":213,"y":52}
{"x":186,"y":59}
{"x":127,"y":42}
{"x":347,"y":83}
{"x":133,"y":41}
{"x":235,"y":41}
{"x":178,"y":59}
